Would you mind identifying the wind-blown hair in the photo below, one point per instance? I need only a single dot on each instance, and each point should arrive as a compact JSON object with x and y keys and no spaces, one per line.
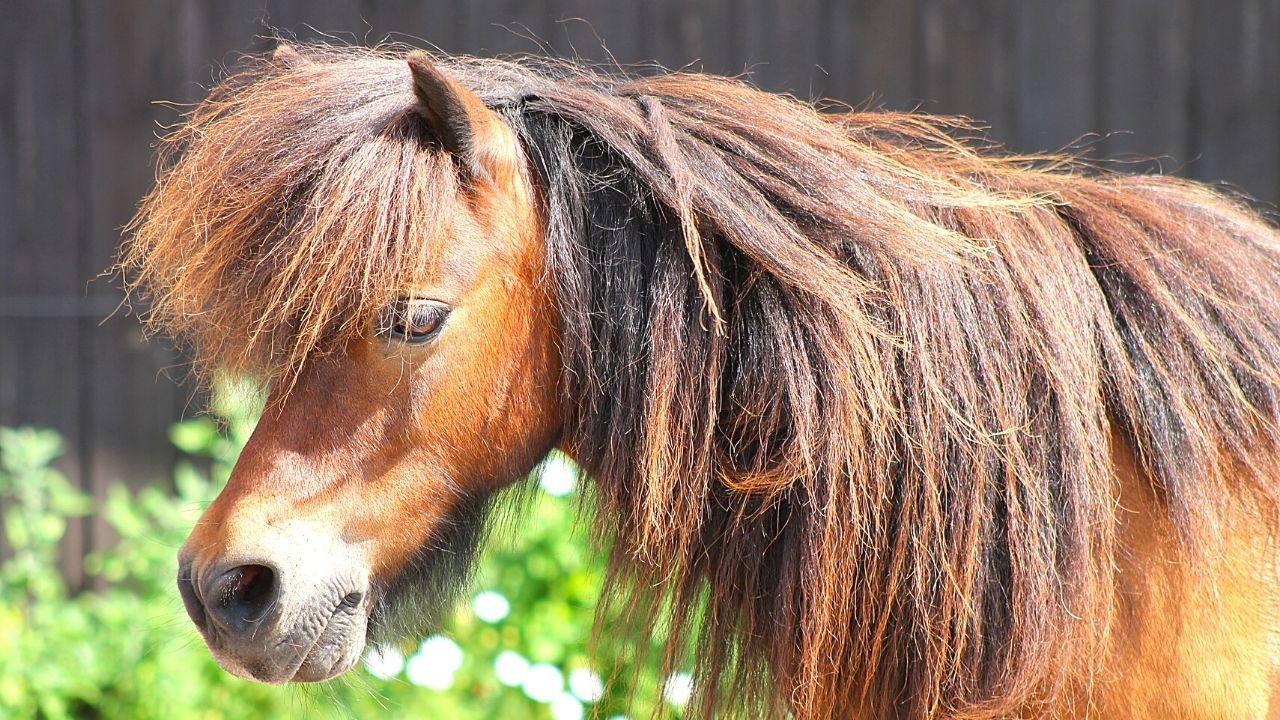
{"x":846,"y":384}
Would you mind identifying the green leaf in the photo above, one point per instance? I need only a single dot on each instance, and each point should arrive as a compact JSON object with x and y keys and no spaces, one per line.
{"x":25,"y":449}
{"x":16,"y":528}
{"x":195,"y":436}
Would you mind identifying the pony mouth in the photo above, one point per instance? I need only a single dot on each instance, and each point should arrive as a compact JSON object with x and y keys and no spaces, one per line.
{"x":316,"y":648}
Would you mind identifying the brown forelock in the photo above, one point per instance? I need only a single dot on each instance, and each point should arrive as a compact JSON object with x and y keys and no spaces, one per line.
{"x":843,"y":382}
{"x":293,"y":204}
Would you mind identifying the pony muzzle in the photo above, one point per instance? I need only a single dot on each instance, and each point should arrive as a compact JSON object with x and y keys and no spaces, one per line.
{"x":294,"y":610}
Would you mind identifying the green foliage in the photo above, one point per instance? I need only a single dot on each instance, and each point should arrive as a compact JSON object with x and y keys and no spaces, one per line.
{"x":515,"y":648}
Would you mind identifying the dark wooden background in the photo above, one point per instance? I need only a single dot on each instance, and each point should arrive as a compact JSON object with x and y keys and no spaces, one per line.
{"x":1195,"y":83}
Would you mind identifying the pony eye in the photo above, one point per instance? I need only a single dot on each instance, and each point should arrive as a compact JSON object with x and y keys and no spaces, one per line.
{"x":414,"y":321}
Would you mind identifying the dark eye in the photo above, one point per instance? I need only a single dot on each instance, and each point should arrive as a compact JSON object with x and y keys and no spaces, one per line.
{"x":413,"y":320}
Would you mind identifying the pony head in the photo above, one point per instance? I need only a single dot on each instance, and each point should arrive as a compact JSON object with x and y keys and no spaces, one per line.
{"x":362,"y":233}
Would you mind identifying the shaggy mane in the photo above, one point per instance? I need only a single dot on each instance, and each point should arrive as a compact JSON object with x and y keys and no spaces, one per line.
{"x":846,"y":384}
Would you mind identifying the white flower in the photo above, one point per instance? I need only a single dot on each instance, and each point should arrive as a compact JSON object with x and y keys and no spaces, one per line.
{"x":424,"y":672}
{"x":678,"y":688}
{"x":443,"y":651}
{"x":433,"y":666}
{"x":559,"y":476}
{"x":491,"y":606}
{"x":384,"y":661}
{"x":510,"y":667}
{"x":543,"y":683}
{"x":586,"y":685}
{"x":566,"y":707}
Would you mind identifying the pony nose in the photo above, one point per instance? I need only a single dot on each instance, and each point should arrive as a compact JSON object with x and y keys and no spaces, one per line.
{"x":190,"y":597}
{"x":239,"y":599}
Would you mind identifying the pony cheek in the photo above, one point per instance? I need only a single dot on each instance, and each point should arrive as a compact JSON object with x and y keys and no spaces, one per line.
{"x":402,"y":520}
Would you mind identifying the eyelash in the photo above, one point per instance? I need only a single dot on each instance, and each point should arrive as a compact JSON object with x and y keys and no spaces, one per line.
{"x":414,"y":321}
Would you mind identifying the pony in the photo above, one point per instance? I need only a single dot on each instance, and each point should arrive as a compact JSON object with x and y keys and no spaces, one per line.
{"x":880,"y":419}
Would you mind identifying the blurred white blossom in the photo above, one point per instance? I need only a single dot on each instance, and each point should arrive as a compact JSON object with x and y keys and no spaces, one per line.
{"x":559,"y":476}
{"x":511,"y":668}
{"x":433,"y":666}
{"x":566,"y":707}
{"x":384,"y":661}
{"x":491,"y":606}
{"x":678,"y":688}
{"x":586,"y":685}
{"x":543,"y":683}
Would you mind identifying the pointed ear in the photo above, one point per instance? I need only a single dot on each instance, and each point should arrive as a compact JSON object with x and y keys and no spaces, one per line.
{"x":286,"y":56}
{"x":461,"y":122}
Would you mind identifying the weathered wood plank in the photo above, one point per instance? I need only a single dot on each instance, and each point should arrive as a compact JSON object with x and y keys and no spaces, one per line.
{"x":873,"y":48}
{"x":1144,"y":58}
{"x":677,"y":38}
{"x":430,"y":23}
{"x":1053,"y":73}
{"x":1235,"y":98}
{"x":964,"y":60}
{"x":210,"y":38}
{"x":501,"y":27}
{"x":798,"y":55}
{"x":757,"y":42}
{"x":130,"y":48}
{"x":718,"y":38}
{"x":601,"y":33}
{"x":42,"y":277}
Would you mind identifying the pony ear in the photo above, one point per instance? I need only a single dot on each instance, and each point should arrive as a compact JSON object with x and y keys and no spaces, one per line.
{"x":459,"y":119}
{"x":286,"y":56}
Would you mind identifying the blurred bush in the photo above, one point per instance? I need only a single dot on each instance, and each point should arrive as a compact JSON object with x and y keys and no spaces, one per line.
{"x":516,"y":647}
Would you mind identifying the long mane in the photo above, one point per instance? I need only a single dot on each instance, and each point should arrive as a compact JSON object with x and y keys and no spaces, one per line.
{"x":847,"y":383}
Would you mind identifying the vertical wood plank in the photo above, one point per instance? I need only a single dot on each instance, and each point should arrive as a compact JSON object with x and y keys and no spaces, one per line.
{"x":332,"y":20}
{"x":798,"y":56}
{"x":600,"y":32}
{"x":130,"y":47}
{"x":718,"y":42}
{"x":9,"y":138}
{"x":42,"y":275}
{"x":1144,"y":58}
{"x":503,"y":27}
{"x":210,"y":39}
{"x":1235,"y":100}
{"x":782,"y":46}
{"x":757,"y":46}
{"x":873,"y":50}
{"x":41,"y":224}
{"x":965,"y":68}
{"x":11,"y":350}
{"x":1053,"y":73}
{"x":422,"y":23}
{"x":677,"y":37}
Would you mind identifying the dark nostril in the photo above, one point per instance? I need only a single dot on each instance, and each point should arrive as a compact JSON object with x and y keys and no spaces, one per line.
{"x":253,"y":584}
{"x":241,"y":597}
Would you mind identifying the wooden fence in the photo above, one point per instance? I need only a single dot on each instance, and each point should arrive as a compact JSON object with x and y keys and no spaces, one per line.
{"x":1195,"y":83}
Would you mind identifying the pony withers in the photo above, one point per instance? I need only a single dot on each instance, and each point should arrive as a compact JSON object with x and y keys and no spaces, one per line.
{"x":883,"y":421}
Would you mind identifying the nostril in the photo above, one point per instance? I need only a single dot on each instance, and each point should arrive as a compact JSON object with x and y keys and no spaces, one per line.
{"x":242,"y":596}
{"x":251,"y":586}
